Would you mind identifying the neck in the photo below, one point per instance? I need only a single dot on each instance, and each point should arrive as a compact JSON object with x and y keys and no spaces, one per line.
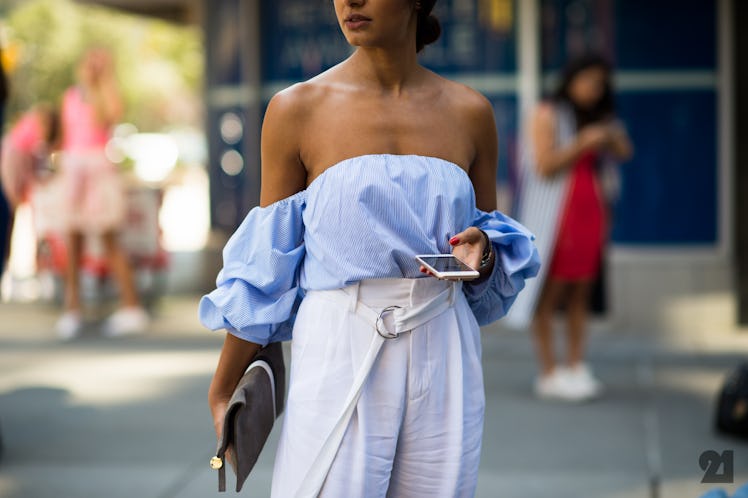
{"x":389,"y":70}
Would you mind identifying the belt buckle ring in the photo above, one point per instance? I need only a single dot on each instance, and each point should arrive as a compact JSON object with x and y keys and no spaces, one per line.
{"x":380,"y":319}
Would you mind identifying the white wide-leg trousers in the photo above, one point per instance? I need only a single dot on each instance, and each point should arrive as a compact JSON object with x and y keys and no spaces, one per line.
{"x":417,"y":426}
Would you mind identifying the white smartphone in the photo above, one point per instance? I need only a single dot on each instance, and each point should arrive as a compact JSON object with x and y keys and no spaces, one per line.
{"x":447,"y":266}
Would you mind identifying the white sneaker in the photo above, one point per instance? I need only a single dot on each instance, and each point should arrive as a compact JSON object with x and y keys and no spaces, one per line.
{"x":69,"y":325}
{"x":127,"y":321}
{"x":558,"y":386}
{"x":581,"y":379}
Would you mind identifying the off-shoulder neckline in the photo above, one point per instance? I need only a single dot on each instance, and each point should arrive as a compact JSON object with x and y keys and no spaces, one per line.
{"x":399,"y":156}
{"x":340,"y":163}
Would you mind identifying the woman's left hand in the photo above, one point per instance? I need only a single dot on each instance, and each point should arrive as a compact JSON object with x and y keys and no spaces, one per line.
{"x":467,"y":246}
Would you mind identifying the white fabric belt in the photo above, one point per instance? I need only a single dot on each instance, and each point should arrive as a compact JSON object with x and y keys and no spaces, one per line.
{"x":392,"y":307}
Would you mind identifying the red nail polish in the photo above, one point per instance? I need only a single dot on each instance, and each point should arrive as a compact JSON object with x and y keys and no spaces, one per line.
{"x":454,"y":240}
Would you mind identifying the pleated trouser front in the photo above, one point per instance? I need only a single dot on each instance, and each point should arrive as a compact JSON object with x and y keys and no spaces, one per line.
{"x":416,"y":430}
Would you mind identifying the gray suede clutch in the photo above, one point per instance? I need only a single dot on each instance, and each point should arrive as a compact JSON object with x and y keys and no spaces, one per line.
{"x":257,"y":401}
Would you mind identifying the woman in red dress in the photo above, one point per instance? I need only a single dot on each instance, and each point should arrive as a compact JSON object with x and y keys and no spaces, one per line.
{"x":584,"y":102}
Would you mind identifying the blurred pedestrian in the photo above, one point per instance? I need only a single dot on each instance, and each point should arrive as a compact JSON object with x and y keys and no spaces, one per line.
{"x":94,"y":192}
{"x":25,"y":156}
{"x":365,"y":166}
{"x":568,"y":181}
{"x":5,"y":207}
{"x":26,"y":150}
{"x":5,"y":210}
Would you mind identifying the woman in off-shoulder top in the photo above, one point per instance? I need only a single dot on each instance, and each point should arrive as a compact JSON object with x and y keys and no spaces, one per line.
{"x":363,"y":167}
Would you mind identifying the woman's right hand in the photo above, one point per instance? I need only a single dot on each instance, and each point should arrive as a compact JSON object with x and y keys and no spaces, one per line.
{"x":236,"y":356}
{"x":218,"y":406}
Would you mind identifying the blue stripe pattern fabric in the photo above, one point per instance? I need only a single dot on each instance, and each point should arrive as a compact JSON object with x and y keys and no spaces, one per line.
{"x":362,"y":218}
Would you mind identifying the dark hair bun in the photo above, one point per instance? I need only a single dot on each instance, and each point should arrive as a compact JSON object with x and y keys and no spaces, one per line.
{"x":428,"y":29}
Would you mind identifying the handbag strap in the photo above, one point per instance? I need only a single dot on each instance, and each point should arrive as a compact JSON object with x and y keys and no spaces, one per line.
{"x":218,"y":462}
{"x":261,"y":363}
{"x":405,"y":320}
{"x":222,"y":479}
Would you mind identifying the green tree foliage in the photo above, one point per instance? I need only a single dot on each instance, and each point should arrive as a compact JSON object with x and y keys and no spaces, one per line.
{"x":159,"y":65}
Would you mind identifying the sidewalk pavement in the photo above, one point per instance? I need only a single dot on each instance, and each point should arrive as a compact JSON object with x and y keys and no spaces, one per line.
{"x":128,"y":417}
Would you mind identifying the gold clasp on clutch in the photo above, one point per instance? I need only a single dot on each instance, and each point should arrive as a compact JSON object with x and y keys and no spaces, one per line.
{"x":216,"y":463}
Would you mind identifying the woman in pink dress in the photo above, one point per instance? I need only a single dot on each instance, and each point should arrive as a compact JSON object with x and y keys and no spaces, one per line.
{"x":94,"y":193}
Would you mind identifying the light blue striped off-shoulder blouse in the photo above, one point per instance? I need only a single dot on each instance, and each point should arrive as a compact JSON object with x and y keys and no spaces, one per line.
{"x":365,"y":217}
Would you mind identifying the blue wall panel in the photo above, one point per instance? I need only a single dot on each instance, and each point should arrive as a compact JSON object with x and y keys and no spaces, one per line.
{"x":477,"y":36}
{"x":670,"y":188}
{"x":666,"y":34}
{"x":228,"y":194}
{"x":572,"y":27}
{"x":302,"y":38}
{"x":507,"y":125}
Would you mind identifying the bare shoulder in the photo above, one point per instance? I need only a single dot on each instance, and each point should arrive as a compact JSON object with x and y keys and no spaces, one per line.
{"x":291,"y":103}
{"x":293,"y":106}
{"x":474,"y":114}
{"x":542,"y":124}
{"x":283,"y":173}
{"x":467,"y":102}
{"x":287,"y":122}
{"x":544,"y":114}
{"x":472,"y":111}
{"x":282,"y":124}
{"x":289,"y":111}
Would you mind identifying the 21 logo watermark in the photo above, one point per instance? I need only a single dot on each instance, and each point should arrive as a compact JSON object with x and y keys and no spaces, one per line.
{"x":718,"y":467}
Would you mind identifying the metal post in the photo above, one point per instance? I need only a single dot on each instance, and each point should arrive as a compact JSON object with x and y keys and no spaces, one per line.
{"x":528,"y":55}
{"x":251,"y":53}
{"x":739,"y":44}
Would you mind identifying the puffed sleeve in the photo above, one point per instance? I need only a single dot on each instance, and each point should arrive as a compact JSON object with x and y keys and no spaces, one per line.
{"x":258,"y":292}
{"x":516,"y":260}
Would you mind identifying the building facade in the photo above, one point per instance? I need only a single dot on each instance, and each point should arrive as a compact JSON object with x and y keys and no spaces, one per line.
{"x":674,"y":264}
